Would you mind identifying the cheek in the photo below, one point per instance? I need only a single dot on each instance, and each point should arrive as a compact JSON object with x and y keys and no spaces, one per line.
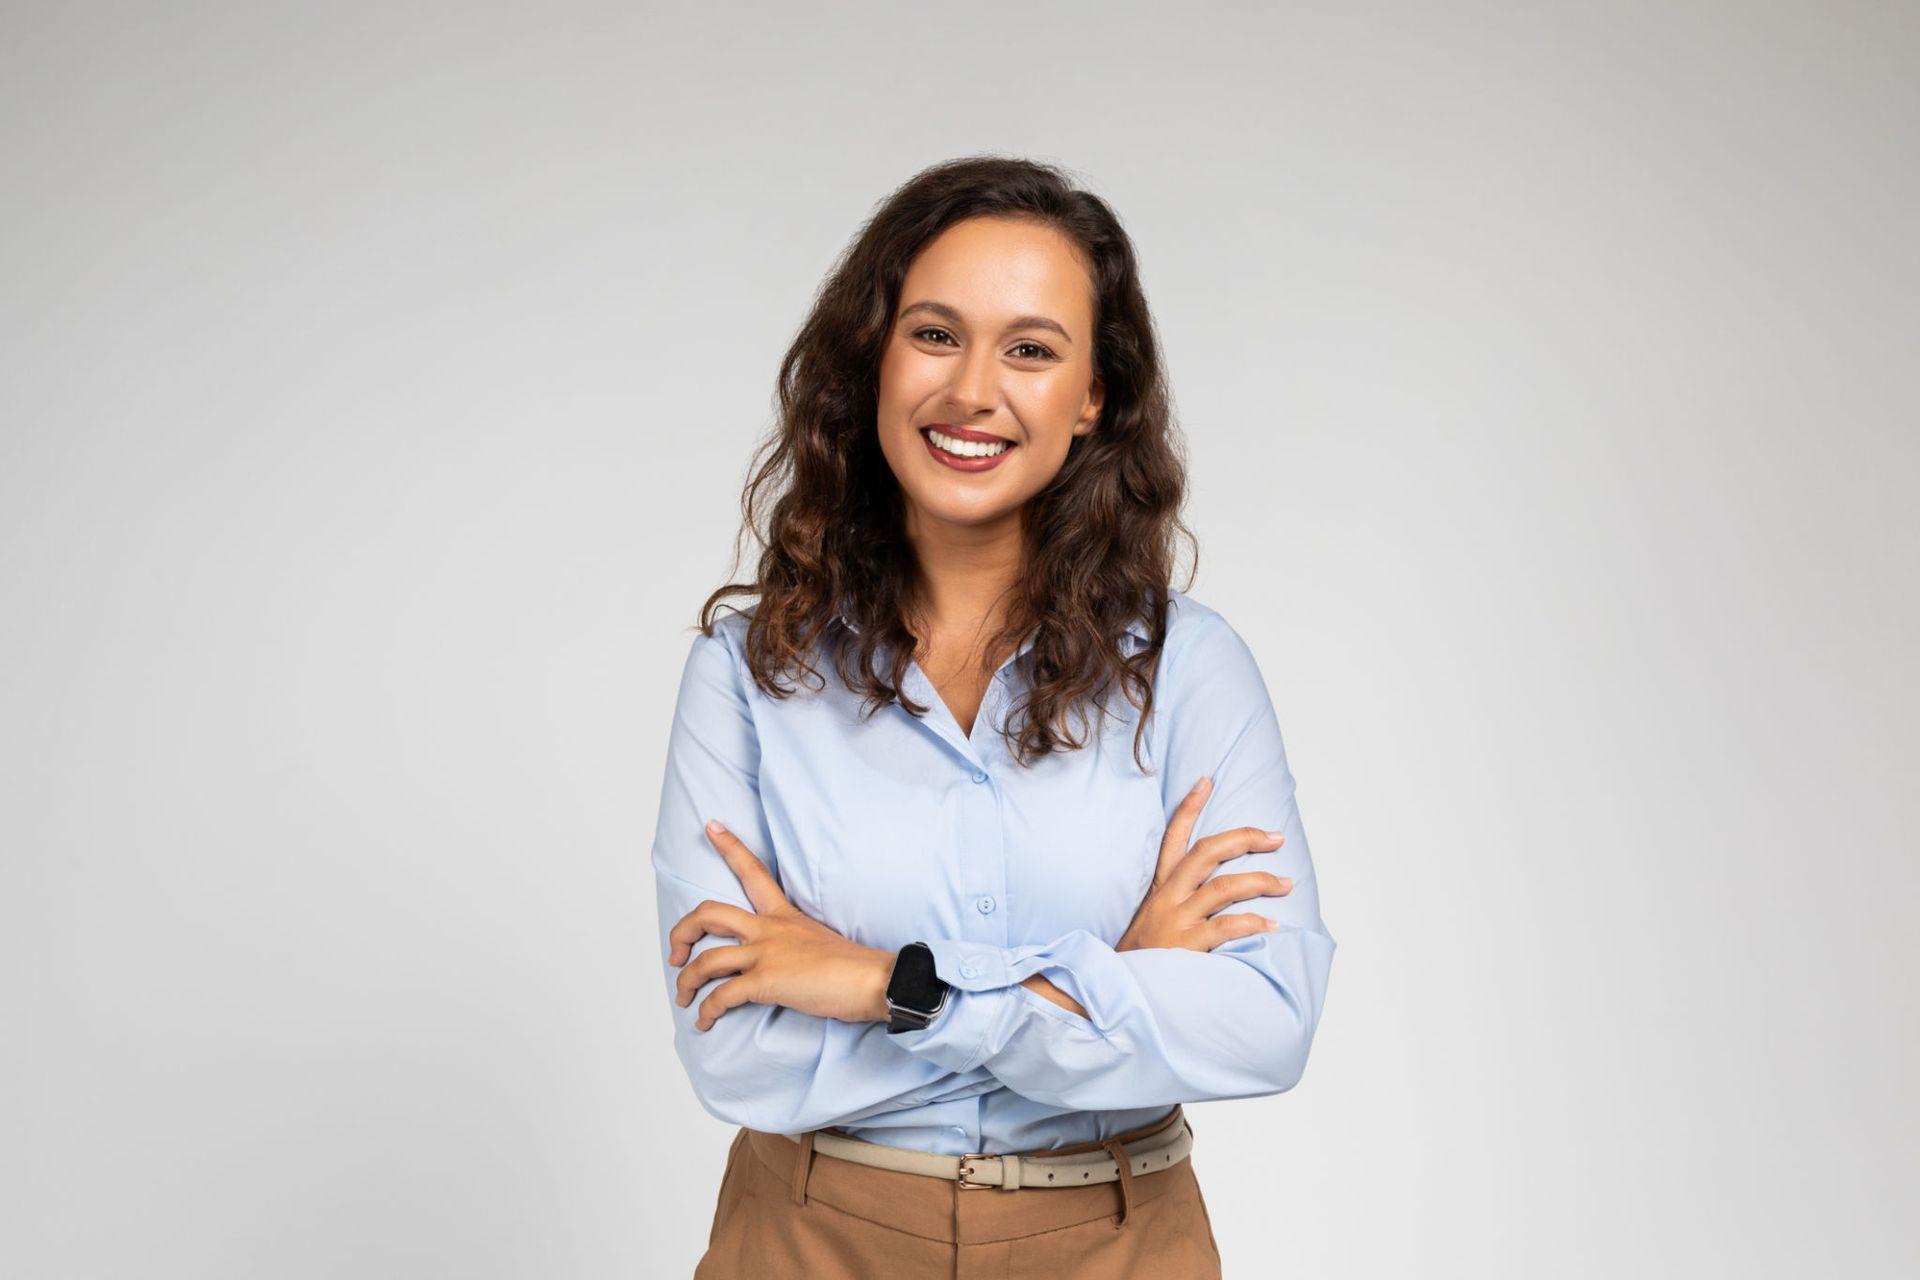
{"x":1049,"y":408}
{"x":905,"y":381}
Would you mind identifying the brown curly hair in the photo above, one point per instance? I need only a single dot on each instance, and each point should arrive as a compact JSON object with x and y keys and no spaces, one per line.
{"x":1098,"y":540}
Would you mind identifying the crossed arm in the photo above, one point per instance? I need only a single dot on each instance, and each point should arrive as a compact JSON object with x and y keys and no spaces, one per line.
{"x":1074,"y":1022}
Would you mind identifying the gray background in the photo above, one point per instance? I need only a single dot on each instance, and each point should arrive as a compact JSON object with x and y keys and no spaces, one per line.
{"x":378,"y":385}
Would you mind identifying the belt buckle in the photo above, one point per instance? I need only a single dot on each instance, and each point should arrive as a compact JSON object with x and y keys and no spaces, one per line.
{"x":977,"y":1155}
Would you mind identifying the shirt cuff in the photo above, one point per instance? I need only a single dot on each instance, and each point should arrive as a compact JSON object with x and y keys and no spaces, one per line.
{"x":982,"y":997}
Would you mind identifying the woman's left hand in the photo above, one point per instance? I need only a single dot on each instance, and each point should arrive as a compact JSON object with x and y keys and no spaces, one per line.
{"x":784,"y":956}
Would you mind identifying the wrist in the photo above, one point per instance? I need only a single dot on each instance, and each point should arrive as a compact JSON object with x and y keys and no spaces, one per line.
{"x":875,"y":975}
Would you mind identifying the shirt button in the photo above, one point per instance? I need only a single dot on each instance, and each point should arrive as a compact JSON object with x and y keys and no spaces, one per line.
{"x":985,"y":904}
{"x":979,"y":775}
{"x":969,"y":971}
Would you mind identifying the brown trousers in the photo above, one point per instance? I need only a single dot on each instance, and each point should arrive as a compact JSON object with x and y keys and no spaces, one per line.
{"x":786,"y":1211}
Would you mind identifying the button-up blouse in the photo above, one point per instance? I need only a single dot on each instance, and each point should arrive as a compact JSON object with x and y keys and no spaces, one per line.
{"x":896,"y":828}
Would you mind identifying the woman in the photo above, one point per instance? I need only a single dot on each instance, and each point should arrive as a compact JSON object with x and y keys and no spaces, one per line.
{"x":950,"y":954}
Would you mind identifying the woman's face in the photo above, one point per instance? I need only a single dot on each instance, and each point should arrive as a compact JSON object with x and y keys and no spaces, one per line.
{"x":991,"y":354}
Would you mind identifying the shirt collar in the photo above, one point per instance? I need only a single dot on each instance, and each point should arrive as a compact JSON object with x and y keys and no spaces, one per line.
{"x":1138,"y":628}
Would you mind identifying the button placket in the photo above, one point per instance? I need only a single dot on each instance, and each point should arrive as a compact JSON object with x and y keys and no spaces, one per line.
{"x":983,"y":853}
{"x":992,"y":879}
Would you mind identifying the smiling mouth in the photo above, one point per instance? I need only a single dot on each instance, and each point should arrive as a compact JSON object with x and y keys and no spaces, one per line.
{"x":959,"y":448}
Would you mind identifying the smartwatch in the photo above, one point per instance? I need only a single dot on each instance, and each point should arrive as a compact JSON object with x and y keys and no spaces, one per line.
{"x":915,"y":993}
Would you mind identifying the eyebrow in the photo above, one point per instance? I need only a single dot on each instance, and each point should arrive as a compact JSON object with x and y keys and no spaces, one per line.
{"x":951,"y":316}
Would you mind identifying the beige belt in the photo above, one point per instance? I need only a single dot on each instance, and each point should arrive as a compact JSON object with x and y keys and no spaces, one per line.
{"x":1150,"y":1154}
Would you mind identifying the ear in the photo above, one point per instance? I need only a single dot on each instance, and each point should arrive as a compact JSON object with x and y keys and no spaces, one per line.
{"x":1090,"y":416}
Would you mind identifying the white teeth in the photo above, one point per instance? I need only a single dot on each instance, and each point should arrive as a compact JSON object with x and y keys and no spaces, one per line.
{"x":968,"y":448}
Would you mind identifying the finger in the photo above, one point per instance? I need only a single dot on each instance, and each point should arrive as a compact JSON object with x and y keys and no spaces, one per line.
{"x":763,"y":890}
{"x":1173,"y":845}
{"x":1238,"y":887}
{"x":728,"y":995}
{"x":1211,"y":851}
{"x":711,"y":916}
{"x":706,"y":966}
{"x":1237,"y":924}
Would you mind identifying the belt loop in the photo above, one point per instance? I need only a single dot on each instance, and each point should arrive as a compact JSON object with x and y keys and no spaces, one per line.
{"x":1116,"y":1148}
{"x":802,"y":1167}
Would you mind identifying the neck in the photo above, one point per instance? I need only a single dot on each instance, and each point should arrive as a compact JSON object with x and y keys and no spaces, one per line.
{"x":965,"y":571}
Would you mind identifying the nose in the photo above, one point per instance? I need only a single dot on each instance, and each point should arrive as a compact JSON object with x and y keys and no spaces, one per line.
{"x":975,"y":384}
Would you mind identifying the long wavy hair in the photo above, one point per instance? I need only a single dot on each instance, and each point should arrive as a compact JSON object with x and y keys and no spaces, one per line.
{"x":1098,"y":541}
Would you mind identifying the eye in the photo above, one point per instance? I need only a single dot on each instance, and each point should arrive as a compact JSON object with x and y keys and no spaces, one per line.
{"x":1045,"y":354}
{"x":931,"y":329}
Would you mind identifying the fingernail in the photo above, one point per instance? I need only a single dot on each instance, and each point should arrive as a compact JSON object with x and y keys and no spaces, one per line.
{"x":1203,"y":784}
{"x":1271,"y":923}
{"x":1276,"y":835}
{"x":1287,"y":881}
{"x":715,"y":827}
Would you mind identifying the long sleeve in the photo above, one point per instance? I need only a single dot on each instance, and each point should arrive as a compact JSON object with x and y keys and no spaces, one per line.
{"x":764,"y":1066}
{"x":1164,"y":1025}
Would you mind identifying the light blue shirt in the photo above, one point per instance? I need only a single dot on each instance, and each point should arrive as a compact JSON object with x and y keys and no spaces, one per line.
{"x":898,"y":829}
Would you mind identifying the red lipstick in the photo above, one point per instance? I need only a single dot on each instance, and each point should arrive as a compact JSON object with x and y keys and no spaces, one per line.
{"x":962,"y":462}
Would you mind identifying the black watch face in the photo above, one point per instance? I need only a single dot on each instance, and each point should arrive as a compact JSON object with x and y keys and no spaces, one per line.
{"x":914,"y":984}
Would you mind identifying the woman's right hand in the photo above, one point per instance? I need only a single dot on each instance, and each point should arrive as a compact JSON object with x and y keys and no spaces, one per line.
{"x":1179,"y":906}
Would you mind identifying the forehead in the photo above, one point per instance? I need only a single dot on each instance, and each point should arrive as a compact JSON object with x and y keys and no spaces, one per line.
{"x":991,"y":268}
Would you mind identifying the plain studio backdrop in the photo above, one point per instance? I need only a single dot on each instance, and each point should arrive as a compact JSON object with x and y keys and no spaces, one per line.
{"x":378,"y":385}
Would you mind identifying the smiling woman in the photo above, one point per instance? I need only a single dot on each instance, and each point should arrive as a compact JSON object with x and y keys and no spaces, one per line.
{"x":1021,"y":872}
{"x":998,"y":384}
